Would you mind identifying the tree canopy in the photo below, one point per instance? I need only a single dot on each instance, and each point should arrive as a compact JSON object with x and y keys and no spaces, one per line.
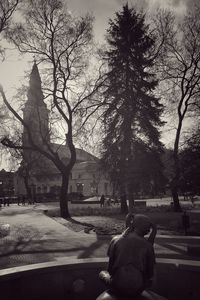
{"x":62,"y":44}
{"x":190,"y":165}
{"x":132,"y":116}
{"x":7,"y":8}
{"x":179,"y":71}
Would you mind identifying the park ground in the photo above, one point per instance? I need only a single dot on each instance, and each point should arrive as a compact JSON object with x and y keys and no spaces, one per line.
{"x":39,"y":234}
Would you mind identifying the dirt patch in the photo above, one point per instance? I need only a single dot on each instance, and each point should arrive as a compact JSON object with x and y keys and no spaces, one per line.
{"x":98,"y":224}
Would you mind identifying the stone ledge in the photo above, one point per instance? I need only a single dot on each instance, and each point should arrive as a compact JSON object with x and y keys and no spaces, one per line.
{"x":52,"y":266}
{"x":77,"y":279}
{"x":87,"y":263}
{"x":193,"y":250}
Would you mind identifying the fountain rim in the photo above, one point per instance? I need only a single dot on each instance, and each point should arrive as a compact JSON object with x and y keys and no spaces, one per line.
{"x":87,"y":263}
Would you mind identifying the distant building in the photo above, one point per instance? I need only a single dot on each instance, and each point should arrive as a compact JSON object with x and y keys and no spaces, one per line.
{"x":6,"y":183}
{"x":44,"y":177}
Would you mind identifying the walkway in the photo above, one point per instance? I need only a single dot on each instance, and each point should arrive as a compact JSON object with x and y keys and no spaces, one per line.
{"x":35,"y":237}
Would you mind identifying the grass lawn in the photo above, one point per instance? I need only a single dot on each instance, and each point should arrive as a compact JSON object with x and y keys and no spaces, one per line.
{"x":109,"y":220}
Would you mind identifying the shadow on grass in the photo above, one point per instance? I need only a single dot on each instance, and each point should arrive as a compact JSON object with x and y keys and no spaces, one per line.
{"x":27,"y":240}
{"x":100,"y":230}
{"x":6,"y":211}
{"x":18,"y":239}
{"x":173,"y":248}
{"x":80,"y":223}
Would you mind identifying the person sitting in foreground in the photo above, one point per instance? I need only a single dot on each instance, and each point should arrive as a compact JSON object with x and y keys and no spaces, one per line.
{"x":131,"y":258}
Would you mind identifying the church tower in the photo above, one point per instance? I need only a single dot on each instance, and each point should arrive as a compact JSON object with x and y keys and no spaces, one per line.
{"x":35,"y":112}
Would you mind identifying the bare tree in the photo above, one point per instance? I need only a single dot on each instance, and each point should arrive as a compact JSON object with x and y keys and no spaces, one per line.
{"x":63,"y":45}
{"x":179,"y":66}
{"x":7,"y":8}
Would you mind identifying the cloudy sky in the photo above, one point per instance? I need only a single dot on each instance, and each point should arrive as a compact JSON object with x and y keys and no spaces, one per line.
{"x":12,"y":69}
{"x":105,"y":9}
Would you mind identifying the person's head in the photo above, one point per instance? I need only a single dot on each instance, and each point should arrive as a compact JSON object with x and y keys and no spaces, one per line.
{"x":141,"y":224}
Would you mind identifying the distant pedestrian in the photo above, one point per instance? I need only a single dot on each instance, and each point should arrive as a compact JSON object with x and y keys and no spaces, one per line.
{"x":192,"y":198}
{"x":6,"y":201}
{"x":116,"y":200}
{"x":18,"y":199}
{"x":102,"y":201}
{"x":23,"y":200}
{"x":2,"y":198}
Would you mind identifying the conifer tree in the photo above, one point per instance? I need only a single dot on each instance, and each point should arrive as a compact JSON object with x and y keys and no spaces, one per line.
{"x":131,"y":146}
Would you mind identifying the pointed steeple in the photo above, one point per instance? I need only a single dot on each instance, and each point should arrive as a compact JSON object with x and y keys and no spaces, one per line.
{"x":35,"y":112}
{"x":35,"y":95}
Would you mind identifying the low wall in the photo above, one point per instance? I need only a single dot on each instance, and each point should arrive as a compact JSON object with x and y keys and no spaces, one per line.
{"x":78,"y":279}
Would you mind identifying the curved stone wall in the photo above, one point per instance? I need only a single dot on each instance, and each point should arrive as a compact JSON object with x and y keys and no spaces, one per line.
{"x":75,"y":279}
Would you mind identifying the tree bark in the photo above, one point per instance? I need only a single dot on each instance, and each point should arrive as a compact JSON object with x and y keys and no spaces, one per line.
{"x":177,"y":207}
{"x":174,"y":186}
{"x":130,"y":198}
{"x":175,"y":180}
{"x":26,"y":183}
{"x":124,"y":207}
{"x":131,"y":204}
{"x":64,"y":210}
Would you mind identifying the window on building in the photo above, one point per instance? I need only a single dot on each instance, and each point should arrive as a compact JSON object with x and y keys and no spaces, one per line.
{"x":55,"y":190}
{"x":44,"y":189}
{"x":79,"y":176}
{"x":79,"y":187}
{"x":94,"y":189}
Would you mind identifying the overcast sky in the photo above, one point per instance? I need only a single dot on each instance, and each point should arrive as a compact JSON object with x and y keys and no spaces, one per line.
{"x":12,"y":69}
{"x":105,"y":9}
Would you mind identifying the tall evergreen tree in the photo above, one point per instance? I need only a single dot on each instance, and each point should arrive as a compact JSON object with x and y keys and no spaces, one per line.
{"x":131,"y":145}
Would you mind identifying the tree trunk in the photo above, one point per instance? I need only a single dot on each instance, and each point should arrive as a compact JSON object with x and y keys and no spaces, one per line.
{"x":175,"y":185}
{"x":124,"y":207}
{"x":175,"y":180}
{"x":28,"y":190}
{"x":130,"y":199}
{"x":131,"y":204}
{"x":64,"y":210}
{"x":177,"y":207}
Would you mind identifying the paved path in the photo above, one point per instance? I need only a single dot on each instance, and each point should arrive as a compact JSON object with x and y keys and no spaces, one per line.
{"x":35,"y":237}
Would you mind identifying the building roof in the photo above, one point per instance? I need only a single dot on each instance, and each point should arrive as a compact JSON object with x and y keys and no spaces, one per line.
{"x":81,"y":155}
{"x":86,"y":165}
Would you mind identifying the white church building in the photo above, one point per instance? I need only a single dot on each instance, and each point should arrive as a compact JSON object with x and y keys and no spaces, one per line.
{"x":86,"y":177}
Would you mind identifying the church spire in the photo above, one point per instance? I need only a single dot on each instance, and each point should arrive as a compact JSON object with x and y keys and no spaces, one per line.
{"x":35,"y":95}
{"x":35,"y":112}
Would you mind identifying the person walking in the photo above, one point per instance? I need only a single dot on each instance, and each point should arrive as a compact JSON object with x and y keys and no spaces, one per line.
{"x":102,"y":201}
